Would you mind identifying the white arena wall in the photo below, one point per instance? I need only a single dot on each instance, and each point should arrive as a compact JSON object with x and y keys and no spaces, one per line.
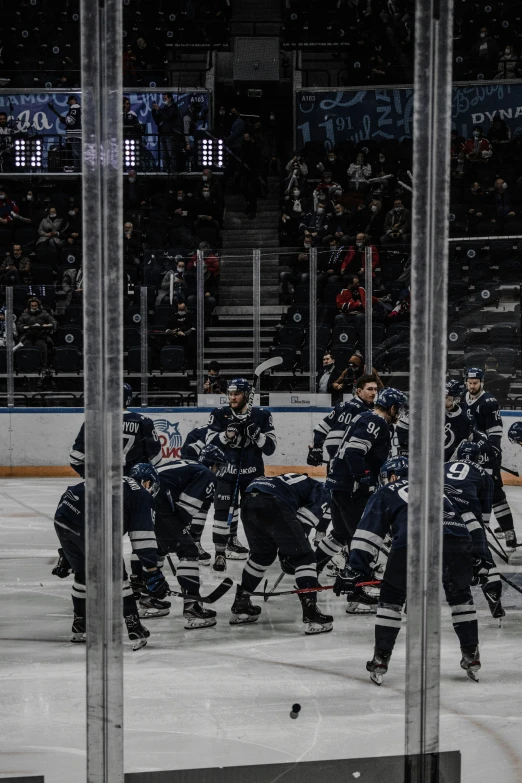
{"x":37,"y":441}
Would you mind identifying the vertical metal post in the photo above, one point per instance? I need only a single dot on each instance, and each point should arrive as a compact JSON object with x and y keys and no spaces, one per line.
{"x":368,"y":310}
{"x":101,"y":26}
{"x":144,"y":331}
{"x":431,"y":167}
{"x":256,"y":306}
{"x":9,"y":345}
{"x":200,"y":321}
{"x":312,"y":325}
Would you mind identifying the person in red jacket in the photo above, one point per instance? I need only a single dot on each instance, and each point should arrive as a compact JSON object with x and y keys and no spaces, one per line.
{"x":477,"y":148}
{"x":351,"y":301}
{"x":354,"y":260}
{"x":8,"y":208}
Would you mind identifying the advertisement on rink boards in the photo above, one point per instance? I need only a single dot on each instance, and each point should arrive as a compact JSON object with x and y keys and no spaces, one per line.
{"x":379,"y":114}
{"x":41,"y":438}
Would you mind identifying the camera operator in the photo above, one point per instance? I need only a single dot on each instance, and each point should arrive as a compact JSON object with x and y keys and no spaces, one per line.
{"x":215,"y":384}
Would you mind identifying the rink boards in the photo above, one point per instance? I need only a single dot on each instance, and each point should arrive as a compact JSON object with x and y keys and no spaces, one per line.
{"x":37,"y":441}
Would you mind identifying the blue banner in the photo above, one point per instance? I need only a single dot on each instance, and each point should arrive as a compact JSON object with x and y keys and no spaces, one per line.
{"x":356,"y":115}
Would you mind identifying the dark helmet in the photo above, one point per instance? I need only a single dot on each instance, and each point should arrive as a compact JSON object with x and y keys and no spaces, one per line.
{"x":474,"y":372}
{"x":454,"y":388}
{"x":144,"y":471}
{"x":388,"y":397}
{"x":397,"y":466}
{"x":127,"y":395}
{"x":240,"y":385}
{"x":515,"y":433}
{"x":468,"y":451}
{"x":213,"y":456}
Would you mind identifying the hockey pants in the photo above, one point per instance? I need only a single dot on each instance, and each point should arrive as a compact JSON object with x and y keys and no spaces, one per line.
{"x":501,"y":508}
{"x":222,"y":499}
{"x":173,"y":535}
{"x":73,"y":546}
{"x":457,"y":573}
{"x":347,"y":509}
{"x":271,"y":527}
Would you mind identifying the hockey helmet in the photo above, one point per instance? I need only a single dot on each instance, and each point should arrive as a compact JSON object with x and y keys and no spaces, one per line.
{"x":468,"y":451}
{"x":455,"y":388}
{"x":239,"y":385}
{"x":144,"y":471}
{"x":388,"y":397}
{"x":474,"y":372}
{"x":515,"y":433}
{"x":127,"y":395}
{"x":395,"y":466}
{"x":214,"y":456}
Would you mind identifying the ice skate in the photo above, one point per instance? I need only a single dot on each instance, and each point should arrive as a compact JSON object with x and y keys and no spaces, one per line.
{"x":235,"y":550}
{"x":220,"y":562}
{"x":148,"y":607}
{"x":511,"y":540}
{"x":78,"y":630}
{"x":365,"y":604}
{"x":337,"y":563}
{"x":499,"y":532}
{"x":243,"y":609}
{"x":315,"y":621}
{"x":471,"y":663}
{"x":378,"y":666}
{"x":196,"y":616}
{"x":137,"y":632}
{"x":203,"y":556}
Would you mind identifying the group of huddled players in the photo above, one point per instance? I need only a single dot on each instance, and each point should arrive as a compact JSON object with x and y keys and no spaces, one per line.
{"x":353,"y":526}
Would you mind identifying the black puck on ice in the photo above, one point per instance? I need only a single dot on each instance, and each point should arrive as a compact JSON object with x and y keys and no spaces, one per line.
{"x":296,"y":709}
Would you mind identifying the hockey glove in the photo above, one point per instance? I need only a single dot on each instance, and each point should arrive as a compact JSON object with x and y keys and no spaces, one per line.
{"x":480,"y":570}
{"x":315,"y":456}
{"x":287,"y":566}
{"x":234,"y":433}
{"x":62,"y":567}
{"x":346,"y":581}
{"x":253,"y":432}
{"x":156,"y":584}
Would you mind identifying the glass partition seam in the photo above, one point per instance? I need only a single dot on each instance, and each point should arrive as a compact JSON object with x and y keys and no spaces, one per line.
{"x":312,"y":329}
{"x":101,"y":26}
{"x":9,"y":345}
{"x":368,"y":310}
{"x":144,"y":329}
{"x":256,"y":305}
{"x":200,"y":321}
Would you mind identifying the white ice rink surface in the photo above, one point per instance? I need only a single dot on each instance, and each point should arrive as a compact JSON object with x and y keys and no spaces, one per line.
{"x":222,"y":696}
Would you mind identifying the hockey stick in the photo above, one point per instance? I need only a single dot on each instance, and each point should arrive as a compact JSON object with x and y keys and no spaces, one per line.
{"x":277,"y":581}
{"x":492,"y":532}
{"x":510,"y":583}
{"x":373,"y":583}
{"x":500,"y":553}
{"x":222,"y":588}
{"x":507,"y":470}
{"x":260,"y":369}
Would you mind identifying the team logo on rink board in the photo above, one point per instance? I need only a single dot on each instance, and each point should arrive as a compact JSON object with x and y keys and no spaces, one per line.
{"x":170,"y":438}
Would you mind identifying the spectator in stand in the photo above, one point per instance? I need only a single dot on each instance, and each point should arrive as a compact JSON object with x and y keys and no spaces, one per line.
{"x":397,"y":224}
{"x":315,"y":225}
{"x":477,"y":149}
{"x":334,"y":163}
{"x":296,"y":180}
{"x":52,"y":229}
{"x":215,"y":383}
{"x":131,"y":245}
{"x":250,"y":170}
{"x":355,"y":258}
{"x":8,"y":208}
{"x":20,"y":261}
{"x":72,"y":285}
{"x":182,"y":220}
{"x":508,"y":65}
{"x":35,"y":327}
{"x":9,"y":274}
{"x":499,"y":137}
{"x":31,"y":207}
{"x":340,"y":225}
{"x":329,"y":264}
{"x":351,"y":302}
{"x":168,"y":120}
{"x":174,"y":279}
{"x":330,"y":379}
{"x":129,"y":67}
{"x":222,"y":123}
{"x":369,"y":219}
{"x":502,"y":199}
{"x":359,"y":173}
{"x":74,"y":227}
{"x":211,"y":278}
{"x":299,"y":163}
{"x":234,"y":142}
{"x":134,"y":194}
{"x":207,"y":211}
{"x":484,"y":54}
{"x":456,"y":144}
{"x":209,"y":180}
{"x":298,"y":273}
{"x":73,"y":131}
{"x":325,"y":190}
{"x":8,"y":131}
{"x":181,"y":330}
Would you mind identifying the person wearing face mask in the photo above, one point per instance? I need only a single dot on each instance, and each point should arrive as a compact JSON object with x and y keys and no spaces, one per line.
{"x":209,"y":180}
{"x":334,"y":163}
{"x":8,"y":208}
{"x":222,"y":123}
{"x":355,"y":258}
{"x":19,"y":261}
{"x":326,"y":187}
{"x":351,"y":302}
{"x":182,"y":218}
{"x":297,"y":162}
{"x":340,"y":225}
{"x":477,"y":149}
{"x":36,"y":326}
{"x":134,"y":193}
{"x":369,"y":219}
{"x":170,"y":130}
{"x":52,"y":229}
{"x":75,"y":225}
{"x":502,"y":200}
{"x":397,"y":224}
{"x":173,"y":279}
{"x":499,"y":136}
{"x":131,"y":244}
{"x":484,"y":54}
{"x":207,"y":214}
{"x":508,"y":65}
{"x":359,"y":173}
{"x":314,"y":225}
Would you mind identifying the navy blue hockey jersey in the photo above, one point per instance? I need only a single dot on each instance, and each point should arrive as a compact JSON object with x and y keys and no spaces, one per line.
{"x":138,"y":518}
{"x":470,"y":489}
{"x":490,"y":456}
{"x":252,"y":463}
{"x":329,"y":432}
{"x":187,"y":488}
{"x":457,"y":428}
{"x":308,"y":498}
{"x":364,"y":449}
{"x":387,"y":512}
{"x":193,"y":444}
{"x":140,"y":444}
{"x":483,"y":411}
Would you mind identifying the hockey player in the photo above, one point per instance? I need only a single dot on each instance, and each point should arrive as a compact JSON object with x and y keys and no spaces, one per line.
{"x":470,"y":490}
{"x":458,"y":425}
{"x":482,"y":407}
{"x":515,"y":433}
{"x":140,"y":440}
{"x":355,"y":470}
{"x":329,"y":432}
{"x":193,"y":444}
{"x":138,"y":522}
{"x":388,"y":509}
{"x":185,"y":488}
{"x":276,"y":512}
{"x":243,"y":440}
